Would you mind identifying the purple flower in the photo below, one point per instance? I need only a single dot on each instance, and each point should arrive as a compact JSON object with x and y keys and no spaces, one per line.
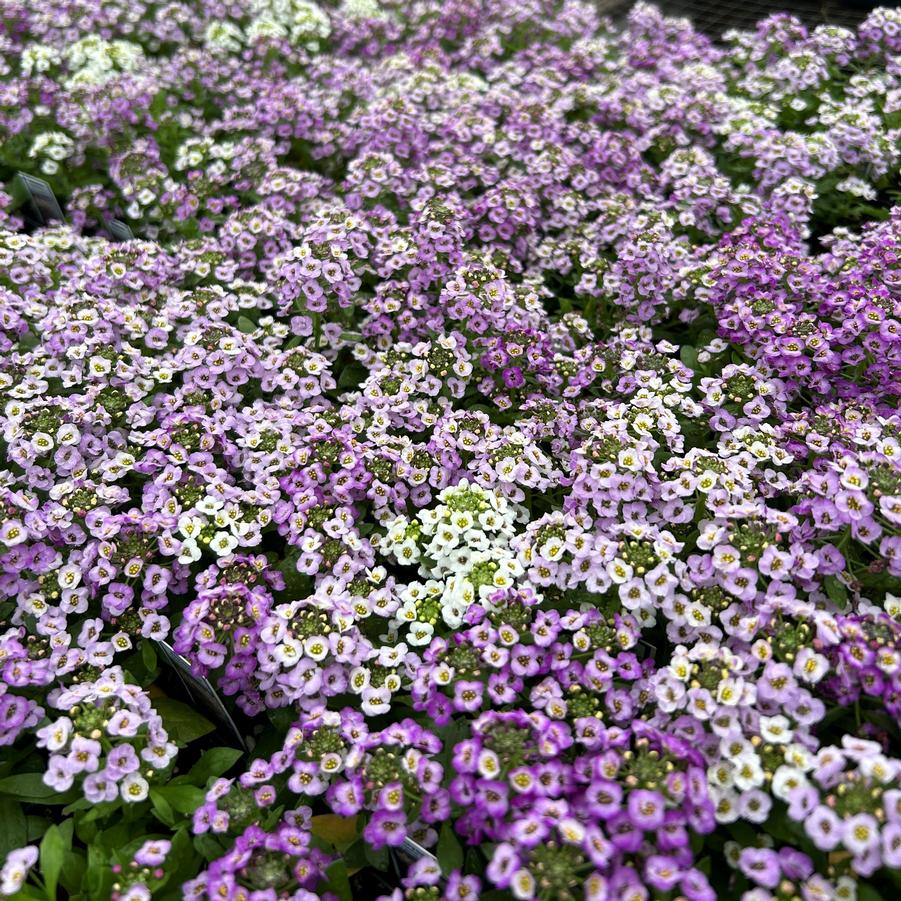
{"x":386,"y":827}
{"x":152,"y":853}
{"x":462,"y":888}
{"x":84,"y":755}
{"x":345,"y":798}
{"x":502,"y":866}
{"x":761,"y":866}
{"x":468,"y":696}
{"x":646,"y":808}
{"x":662,"y":873}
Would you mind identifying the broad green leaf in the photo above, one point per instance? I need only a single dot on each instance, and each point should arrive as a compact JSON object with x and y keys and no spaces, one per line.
{"x":181,"y":853}
{"x":100,"y":811}
{"x":53,"y":853}
{"x":213,"y":762}
{"x":338,"y":881}
{"x":689,"y":356}
{"x":31,"y":787}
{"x":183,"y":798}
{"x":183,"y":723}
{"x":450,"y":851}
{"x":378,"y":859}
{"x":72,"y":872}
{"x":338,"y":831}
{"x":36,"y":827}
{"x":866,"y":892}
{"x":80,"y":804}
{"x":115,"y":838}
{"x":355,"y":856}
{"x":30,"y":893}
{"x":148,"y":656}
{"x":162,"y":808}
{"x":351,"y":375}
{"x":836,"y":591}
{"x":13,"y":826}
{"x":98,"y":876}
{"x":208,"y":846}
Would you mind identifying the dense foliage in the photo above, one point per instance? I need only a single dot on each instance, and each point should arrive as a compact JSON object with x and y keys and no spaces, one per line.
{"x":497,"y":407}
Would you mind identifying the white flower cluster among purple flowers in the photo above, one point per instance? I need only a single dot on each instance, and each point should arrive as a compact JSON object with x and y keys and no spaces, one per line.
{"x":491,"y":411}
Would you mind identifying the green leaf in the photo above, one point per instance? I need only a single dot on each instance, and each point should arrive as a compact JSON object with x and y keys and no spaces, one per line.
{"x":338,"y":881}
{"x":28,"y":892}
{"x":689,"y":356}
{"x":339,"y":831}
{"x":742,"y":832}
{"x":115,"y":838}
{"x":297,"y":585}
{"x":208,"y":846}
{"x":214,"y":762}
{"x":183,"y":798}
{"x":31,"y":787}
{"x":450,"y":852}
{"x":355,"y":855}
{"x":183,"y":723}
{"x":162,"y":808}
{"x":80,"y":804}
{"x":181,"y":854}
{"x":245,"y":325}
{"x":148,"y":656}
{"x":378,"y":859}
{"x":98,"y":876}
{"x":352,"y":375}
{"x":53,"y":853}
{"x":72,"y":872}
{"x":866,"y":892}
{"x":36,"y":827}
{"x":13,"y":826}
{"x":99,"y":811}
{"x":836,"y":592}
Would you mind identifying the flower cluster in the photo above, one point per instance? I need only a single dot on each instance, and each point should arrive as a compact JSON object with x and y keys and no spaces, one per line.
{"x":463,"y":549}
{"x":110,"y":740}
{"x":449,"y":446}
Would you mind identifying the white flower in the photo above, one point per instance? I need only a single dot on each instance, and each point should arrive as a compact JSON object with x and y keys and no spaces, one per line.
{"x":316,"y":648}
{"x":360,"y":678}
{"x":15,"y":869}
{"x":223,"y":543}
{"x":289,"y":651}
{"x":223,"y":35}
{"x":878,"y":768}
{"x":619,"y":571}
{"x":55,"y":735}
{"x":776,"y":729}
{"x":523,"y":885}
{"x":726,"y":804}
{"x":748,"y":772}
{"x":134,"y":788}
{"x":190,"y":551}
{"x":799,"y":756}
{"x":190,"y":526}
{"x":420,"y":633}
{"x":786,"y":780}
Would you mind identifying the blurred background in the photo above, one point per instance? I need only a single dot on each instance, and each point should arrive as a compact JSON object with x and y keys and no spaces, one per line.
{"x":713,"y":17}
